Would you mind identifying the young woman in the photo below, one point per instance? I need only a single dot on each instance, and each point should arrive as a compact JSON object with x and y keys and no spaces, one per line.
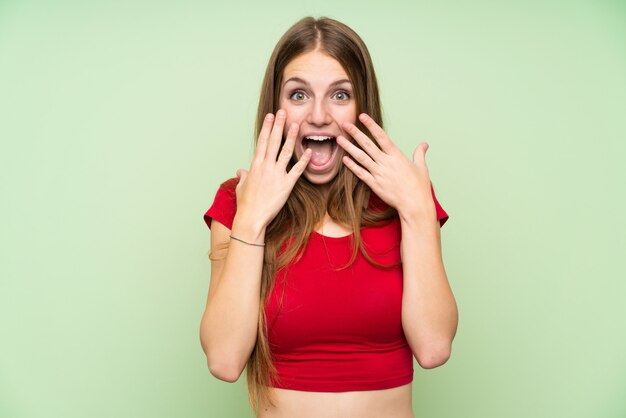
{"x":327,"y":276}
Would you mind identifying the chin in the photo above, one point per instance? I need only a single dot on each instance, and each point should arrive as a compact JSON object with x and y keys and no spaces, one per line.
{"x":322,"y":178}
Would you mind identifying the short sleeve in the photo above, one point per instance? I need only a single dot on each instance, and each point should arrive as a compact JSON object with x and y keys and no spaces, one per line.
{"x":224,"y":204}
{"x":442,"y":215}
{"x":377,"y":204}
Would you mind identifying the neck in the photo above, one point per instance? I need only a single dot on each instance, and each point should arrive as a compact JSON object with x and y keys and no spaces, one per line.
{"x":324,"y":188}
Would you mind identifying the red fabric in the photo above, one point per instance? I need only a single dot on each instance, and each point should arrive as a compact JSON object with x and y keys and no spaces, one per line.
{"x":225,"y":205}
{"x":337,"y":330}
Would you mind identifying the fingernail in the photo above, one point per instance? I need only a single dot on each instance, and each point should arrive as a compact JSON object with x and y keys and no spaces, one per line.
{"x":269,"y":117}
{"x":280,"y":113}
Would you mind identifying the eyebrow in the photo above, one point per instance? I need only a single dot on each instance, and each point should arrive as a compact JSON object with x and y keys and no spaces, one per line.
{"x":299,"y":80}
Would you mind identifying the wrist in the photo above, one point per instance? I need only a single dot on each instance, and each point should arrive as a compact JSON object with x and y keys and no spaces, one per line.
{"x":419,"y":216}
{"x":248,"y":229}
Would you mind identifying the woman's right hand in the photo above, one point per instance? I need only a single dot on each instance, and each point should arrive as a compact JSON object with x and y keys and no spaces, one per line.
{"x":263,"y":190}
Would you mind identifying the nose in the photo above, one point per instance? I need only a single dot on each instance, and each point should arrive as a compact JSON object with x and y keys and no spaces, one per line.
{"x":319,"y":114}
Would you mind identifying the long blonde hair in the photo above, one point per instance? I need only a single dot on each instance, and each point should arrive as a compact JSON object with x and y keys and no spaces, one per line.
{"x":346,"y":200}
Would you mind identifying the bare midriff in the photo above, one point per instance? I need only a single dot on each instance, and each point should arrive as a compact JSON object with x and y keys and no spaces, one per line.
{"x":386,"y":403}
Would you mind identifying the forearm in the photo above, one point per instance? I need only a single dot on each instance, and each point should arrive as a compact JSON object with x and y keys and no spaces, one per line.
{"x":429,"y":310}
{"x":230,"y":322}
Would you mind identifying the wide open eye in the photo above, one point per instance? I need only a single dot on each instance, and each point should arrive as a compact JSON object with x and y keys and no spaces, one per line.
{"x":298,"y":96}
{"x":342,"y":95}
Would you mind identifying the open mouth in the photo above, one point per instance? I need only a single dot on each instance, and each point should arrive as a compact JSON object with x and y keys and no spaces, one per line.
{"x":324,"y":150}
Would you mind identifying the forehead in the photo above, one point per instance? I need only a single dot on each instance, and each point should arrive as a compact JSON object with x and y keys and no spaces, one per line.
{"x":314,"y":65}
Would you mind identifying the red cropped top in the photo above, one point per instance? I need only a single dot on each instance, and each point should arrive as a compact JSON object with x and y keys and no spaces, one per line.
{"x":337,"y":330}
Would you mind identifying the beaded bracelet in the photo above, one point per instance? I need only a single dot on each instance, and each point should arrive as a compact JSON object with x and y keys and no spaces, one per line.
{"x":249,"y":243}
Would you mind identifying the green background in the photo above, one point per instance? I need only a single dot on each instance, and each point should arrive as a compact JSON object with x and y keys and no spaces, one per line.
{"x":118,"y":121}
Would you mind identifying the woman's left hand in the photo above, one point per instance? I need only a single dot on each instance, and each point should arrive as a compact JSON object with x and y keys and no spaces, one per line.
{"x":402,"y":184}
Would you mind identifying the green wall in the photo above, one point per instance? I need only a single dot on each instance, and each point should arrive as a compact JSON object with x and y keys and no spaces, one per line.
{"x":118,"y":120}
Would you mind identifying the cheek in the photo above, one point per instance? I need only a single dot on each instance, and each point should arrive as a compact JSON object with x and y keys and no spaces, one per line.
{"x":288,"y":106}
{"x":347,"y":114}
{"x":294,"y":114}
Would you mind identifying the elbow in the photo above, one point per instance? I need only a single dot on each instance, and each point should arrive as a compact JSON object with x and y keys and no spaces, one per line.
{"x":224,"y":372}
{"x":219,"y":365}
{"x":429,"y":359}
{"x":222,"y":367}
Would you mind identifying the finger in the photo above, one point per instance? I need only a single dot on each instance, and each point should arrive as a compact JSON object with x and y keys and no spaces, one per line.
{"x":298,"y":168}
{"x":276,"y":136}
{"x":364,"y":141}
{"x":357,"y":153}
{"x":381,"y":136}
{"x":261,"y":145}
{"x":358,"y":171}
{"x":287,"y":152}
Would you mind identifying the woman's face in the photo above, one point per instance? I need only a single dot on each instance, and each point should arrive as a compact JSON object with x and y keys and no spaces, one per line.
{"x":318,"y":95}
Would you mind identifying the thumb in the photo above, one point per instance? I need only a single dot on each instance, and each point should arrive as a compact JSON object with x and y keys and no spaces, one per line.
{"x":242,"y":174}
{"x":420,"y":152}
